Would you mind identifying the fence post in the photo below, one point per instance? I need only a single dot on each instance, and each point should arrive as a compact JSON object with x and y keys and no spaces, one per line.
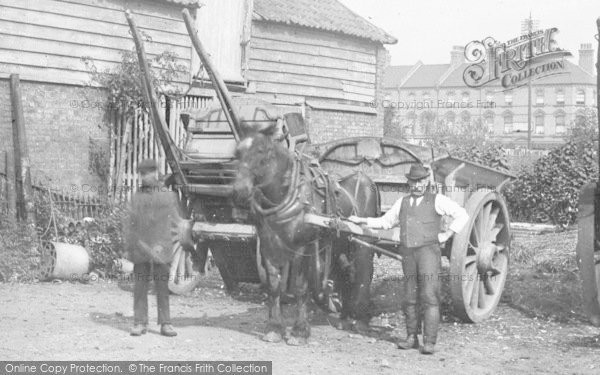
{"x":22,"y":163}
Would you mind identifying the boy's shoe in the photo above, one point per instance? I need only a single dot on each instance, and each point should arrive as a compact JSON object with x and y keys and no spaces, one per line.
{"x":167,"y":330}
{"x":428,"y":348}
{"x":411,"y":342}
{"x":138,"y":329}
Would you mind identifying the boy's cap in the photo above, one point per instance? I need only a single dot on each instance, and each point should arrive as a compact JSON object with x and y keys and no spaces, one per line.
{"x":147,"y":165}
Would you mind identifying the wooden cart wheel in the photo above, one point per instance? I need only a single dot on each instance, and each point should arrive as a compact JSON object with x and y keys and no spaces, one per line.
{"x":479,"y":258}
{"x":588,"y":259}
{"x":183,"y":277}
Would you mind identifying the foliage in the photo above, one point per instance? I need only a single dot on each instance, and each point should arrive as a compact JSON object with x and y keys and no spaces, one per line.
{"x":469,"y":141}
{"x":124,"y":82}
{"x":550,"y":190}
{"x":102,"y":236}
{"x":98,"y":159}
{"x":20,"y":257}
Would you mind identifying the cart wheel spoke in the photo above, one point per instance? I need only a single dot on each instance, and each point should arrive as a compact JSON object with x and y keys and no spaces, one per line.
{"x":475,"y":293}
{"x":493,"y":217}
{"x":484,"y":221}
{"x":181,"y":266}
{"x":470,"y":281}
{"x":470,"y":259}
{"x":495,"y":230}
{"x":489,"y":285}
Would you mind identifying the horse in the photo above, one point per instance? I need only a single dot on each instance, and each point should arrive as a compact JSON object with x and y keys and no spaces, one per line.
{"x":278,"y":187}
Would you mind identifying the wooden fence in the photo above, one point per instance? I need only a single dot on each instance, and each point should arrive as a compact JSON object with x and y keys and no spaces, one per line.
{"x":134,"y":140}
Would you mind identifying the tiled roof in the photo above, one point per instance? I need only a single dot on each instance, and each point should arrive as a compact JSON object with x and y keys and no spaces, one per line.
{"x":394,"y":75}
{"x":430,"y":76}
{"x":427,"y":76}
{"x":329,"y":15}
{"x":185,"y":3}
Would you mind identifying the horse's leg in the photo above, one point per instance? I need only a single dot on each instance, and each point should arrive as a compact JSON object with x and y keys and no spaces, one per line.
{"x":275,"y":328}
{"x":344,"y":279}
{"x":301,"y":330}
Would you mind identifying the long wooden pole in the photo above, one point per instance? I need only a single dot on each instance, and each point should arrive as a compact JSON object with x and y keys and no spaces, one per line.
{"x":22,"y":163}
{"x":158,"y":122}
{"x":11,"y":192}
{"x":221,"y":89}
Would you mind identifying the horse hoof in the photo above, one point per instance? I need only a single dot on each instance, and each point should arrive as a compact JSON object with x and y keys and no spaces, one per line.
{"x":272,"y":337}
{"x":360,"y":327}
{"x":344,"y":324}
{"x":297,"y":341}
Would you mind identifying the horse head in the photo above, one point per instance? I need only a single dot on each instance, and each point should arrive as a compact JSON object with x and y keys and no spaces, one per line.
{"x":263,"y":170}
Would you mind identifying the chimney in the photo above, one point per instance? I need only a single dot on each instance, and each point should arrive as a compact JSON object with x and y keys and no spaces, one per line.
{"x":586,"y":58}
{"x":457,"y":55}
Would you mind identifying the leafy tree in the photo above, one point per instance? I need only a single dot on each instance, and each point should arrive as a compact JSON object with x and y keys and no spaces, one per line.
{"x":549,"y":191}
{"x":470,"y":141}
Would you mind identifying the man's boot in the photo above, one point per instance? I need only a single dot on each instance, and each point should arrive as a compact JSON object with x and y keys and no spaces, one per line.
{"x":411,"y":342}
{"x":167,"y":330}
{"x":138,"y":329}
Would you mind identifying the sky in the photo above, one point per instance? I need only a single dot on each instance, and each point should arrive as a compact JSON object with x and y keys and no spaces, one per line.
{"x":427,"y":29}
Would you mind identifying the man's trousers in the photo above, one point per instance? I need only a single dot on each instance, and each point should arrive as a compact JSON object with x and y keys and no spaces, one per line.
{"x":421,"y":266}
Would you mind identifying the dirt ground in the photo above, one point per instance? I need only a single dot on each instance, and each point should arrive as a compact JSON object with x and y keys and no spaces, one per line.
{"x":75,"y":321}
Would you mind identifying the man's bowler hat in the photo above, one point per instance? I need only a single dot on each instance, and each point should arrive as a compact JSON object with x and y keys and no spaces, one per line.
{"x":417,"y":172}
{"x":147,"y":165}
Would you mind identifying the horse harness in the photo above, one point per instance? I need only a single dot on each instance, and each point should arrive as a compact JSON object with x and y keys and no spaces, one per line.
{"x":310,"y":189}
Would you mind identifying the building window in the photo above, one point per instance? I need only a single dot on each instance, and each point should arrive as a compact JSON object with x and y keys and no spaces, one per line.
{"x":488,"y":119}
{"x":580,"y":97}
{"x":508,"y":98}
{"x":427,"y":122}
{"x":426,"y":96}
{"x":465,"y":117}
{"x":450,"y":98}
{"x":465,"y":97}
{"x":580,"y":119}
{"x":539,"y":97}
{"x":489,"y":96}
{"x":539,"y":123}
{"x":450,"y":118}
{"x":412,"y":123}
{"x":560,"y":97}
{"x":508,"y":123}
{"x":559,"y":121}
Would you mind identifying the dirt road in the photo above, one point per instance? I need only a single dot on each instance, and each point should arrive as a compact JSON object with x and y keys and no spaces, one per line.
{"x":73,"y":321}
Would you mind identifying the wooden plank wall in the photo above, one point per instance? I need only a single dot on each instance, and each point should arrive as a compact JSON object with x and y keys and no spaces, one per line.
{"x":44,"y":40}
{"x":298,"y":62}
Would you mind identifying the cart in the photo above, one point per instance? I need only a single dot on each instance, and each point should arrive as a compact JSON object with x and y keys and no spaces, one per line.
{"x":204,"y":170}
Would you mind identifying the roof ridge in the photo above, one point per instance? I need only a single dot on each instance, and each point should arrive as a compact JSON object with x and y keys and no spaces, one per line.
{"x":410,"y":73}
{"x":393,"y":39}
{"x":446,"y":74}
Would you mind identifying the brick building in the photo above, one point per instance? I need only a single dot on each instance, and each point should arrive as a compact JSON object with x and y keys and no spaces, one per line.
{"x":423,"y":94}
{"x":316,"y":57}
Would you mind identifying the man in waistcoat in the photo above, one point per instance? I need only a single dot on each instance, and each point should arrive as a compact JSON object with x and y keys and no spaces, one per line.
{"x":419,"y":216}
{"x":148,"y":239}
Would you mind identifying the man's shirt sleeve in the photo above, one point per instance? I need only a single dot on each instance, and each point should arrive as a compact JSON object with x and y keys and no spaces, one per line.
{"x":446,"y":206}
{"x":387,"y":221}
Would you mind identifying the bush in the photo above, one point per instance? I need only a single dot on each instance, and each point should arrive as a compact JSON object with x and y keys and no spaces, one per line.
{"x":469,"y":141}
{"x":20,"y":253}
{"x":549,"y":191}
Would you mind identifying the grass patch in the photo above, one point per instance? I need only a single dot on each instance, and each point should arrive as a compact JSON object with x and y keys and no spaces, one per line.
{"x":20,"y":253}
